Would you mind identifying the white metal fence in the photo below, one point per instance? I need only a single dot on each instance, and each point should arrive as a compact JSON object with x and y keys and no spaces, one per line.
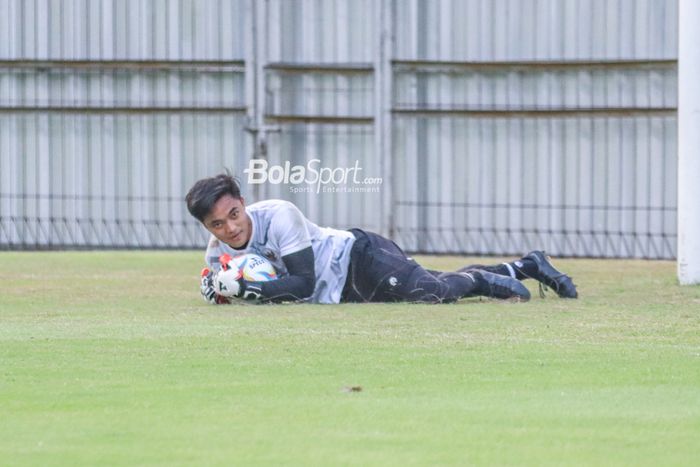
{"x":496,"y":126}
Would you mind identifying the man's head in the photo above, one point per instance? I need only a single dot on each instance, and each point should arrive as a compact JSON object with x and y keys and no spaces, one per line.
{"x":217,"y":203}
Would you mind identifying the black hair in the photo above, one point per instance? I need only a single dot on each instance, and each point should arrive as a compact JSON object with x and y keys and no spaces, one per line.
{"x":207,"y":191}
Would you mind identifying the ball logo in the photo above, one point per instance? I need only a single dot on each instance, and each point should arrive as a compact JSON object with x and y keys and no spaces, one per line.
{"x":256,"y":261}
{"x":269,"y":254}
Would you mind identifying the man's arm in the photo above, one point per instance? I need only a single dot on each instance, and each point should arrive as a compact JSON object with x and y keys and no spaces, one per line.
{"x":288,"y":227}
{"x":298,"y":285}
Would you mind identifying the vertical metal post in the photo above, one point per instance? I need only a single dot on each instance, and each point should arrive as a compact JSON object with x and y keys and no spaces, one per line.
{"x":383,"y":81}
{"x":688,"y":143}
{"x":255,"y":51}
{"x":250,"y":83}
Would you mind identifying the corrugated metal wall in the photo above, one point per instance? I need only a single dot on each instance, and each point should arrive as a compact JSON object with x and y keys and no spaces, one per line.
{"x":513,"y":124}
{"x":515,"y":30}
{"x":541,"y":123}
{"x":320,"y":101}
{"x":109,"y":111}
{"x":181,"y":30}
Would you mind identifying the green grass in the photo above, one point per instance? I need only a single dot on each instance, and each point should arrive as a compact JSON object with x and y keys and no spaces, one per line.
{"x":111,"y":358}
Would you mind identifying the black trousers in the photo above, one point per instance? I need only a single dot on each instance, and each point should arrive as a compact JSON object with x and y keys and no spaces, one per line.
{"x":380,"y":271}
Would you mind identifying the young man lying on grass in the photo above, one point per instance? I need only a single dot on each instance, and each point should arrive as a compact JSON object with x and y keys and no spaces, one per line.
{"x":325,"y":265}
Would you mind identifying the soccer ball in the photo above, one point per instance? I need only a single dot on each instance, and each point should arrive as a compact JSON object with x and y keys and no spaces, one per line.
{"x":253,"y":268}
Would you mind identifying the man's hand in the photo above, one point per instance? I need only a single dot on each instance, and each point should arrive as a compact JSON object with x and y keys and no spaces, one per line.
{"x":230,"y":283}
{"x":207,"y":289}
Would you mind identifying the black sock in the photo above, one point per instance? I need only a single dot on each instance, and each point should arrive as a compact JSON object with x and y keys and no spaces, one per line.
{"x":500,"y":269}
{"x":523,"y":269}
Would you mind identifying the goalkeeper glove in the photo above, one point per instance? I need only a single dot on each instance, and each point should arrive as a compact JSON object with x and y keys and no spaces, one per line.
{"x":206,"y":288}
{"x":230,"y":283}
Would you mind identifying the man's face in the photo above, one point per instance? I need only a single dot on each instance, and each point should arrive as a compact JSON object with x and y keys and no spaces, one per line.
{"x":229,"y":222}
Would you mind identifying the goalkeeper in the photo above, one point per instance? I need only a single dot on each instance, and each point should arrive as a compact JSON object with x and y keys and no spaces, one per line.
{"x":325,"y":265}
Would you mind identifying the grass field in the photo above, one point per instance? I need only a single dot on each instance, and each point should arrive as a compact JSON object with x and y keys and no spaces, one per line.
{"x":112,"y":358}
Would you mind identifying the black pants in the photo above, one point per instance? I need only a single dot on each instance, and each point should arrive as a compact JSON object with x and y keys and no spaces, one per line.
{"x":380,"y":271}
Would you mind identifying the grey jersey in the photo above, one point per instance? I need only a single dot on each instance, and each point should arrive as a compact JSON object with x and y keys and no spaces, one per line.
{"x":280,"y":229}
